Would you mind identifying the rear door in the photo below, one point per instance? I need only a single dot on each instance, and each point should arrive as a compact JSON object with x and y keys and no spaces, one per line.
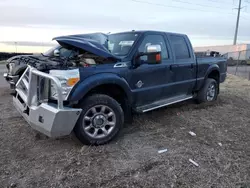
{"x":184,"y":69}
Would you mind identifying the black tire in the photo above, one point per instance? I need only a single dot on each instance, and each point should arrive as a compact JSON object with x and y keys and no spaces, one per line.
{"x":90,"y":103}
{"x":202,"y":94}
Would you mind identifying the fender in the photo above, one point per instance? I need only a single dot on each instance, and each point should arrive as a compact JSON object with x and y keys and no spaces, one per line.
{"x":210,"y":69}
{"x":200,"y":82}
{"x":84,"y":86}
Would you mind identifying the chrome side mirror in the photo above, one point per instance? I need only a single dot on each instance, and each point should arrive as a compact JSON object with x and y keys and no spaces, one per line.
{"x":153,"y":55}
{"x":56,"y":53}
{"x":153,"y":48}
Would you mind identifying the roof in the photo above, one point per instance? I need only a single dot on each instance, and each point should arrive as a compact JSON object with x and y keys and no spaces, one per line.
{"x":102,"y":36}
{"x":148,"y":31}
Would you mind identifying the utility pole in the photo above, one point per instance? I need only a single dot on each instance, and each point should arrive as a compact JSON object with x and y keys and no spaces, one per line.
{"x":16,"y":46}
{"x":237,"y":23}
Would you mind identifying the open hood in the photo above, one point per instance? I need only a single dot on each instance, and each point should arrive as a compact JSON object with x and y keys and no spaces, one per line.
{"x":86,"y":44}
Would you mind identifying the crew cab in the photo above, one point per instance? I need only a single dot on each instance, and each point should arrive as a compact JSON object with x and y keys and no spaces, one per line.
{"x":101,"y":83}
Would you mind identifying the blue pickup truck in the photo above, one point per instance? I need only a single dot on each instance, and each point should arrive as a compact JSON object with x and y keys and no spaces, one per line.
{"x":92,"y":83}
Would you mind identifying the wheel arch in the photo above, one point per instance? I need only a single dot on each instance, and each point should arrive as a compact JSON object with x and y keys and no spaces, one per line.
{"x":113,"y":90}
{"x":213,"y":72}
{"x":102,"y":84}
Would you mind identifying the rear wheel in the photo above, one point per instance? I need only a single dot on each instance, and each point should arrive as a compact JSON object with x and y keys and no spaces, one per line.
{"x":101,"y":119}
{"x":209,"y":92}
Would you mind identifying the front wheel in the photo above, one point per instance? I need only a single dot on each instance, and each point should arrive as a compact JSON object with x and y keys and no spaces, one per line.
{"x":209,"y":92}
{"x":101,"y":119}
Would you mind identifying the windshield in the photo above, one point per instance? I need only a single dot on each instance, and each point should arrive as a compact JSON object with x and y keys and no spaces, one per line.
{"x":118,"y":44}
{"x":121,"y":44}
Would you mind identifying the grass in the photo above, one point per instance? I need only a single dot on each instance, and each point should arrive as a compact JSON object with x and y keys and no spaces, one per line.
{"x":30,"y":159}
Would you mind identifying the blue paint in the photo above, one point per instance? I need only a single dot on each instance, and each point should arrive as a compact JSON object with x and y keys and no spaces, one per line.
{"x":169,"y":78}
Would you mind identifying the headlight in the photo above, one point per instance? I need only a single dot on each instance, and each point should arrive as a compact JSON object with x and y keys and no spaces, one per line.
{"x":68,"y":79}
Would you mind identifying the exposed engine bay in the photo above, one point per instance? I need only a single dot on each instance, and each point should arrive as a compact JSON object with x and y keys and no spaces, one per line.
{"x":71,"y":52}
{"x":46,"y":63}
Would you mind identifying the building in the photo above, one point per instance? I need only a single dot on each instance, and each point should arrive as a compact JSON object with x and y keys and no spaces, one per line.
{"x":241,"y":51}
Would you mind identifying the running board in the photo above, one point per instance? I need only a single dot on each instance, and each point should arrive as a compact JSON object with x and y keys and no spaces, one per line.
{"x":162,"y":103}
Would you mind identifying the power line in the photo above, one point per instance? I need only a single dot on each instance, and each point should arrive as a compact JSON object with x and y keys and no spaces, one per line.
{"x":220,"y":2}
{"x":177,"y":7}
{"x":180,"y":1}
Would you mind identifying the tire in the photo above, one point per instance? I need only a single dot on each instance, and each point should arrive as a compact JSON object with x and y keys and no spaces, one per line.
{"x":100,"y":121}
{"x":203,"y":93}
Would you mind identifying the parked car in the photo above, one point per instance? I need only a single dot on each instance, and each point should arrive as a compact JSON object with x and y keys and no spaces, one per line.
{"x":99,"y":85}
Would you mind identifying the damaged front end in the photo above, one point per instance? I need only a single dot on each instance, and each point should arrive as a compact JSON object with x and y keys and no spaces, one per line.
{"x":43,"y":88}
{"x":53,"y":119}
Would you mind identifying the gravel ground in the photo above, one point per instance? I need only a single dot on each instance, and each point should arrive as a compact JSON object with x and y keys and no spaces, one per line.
{"x":220,"y":147}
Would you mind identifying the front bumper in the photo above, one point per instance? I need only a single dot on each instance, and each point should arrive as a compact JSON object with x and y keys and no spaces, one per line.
{"x":47,"y":119}
{"x":51,"y":119}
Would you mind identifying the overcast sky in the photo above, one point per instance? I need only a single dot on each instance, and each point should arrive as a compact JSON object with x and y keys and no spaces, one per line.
{"x":207,"y":22}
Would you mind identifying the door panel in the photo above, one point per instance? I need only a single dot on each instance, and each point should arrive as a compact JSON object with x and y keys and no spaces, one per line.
{"x":185,"y":67}
{"x":184,"y":77}
{"x":156,"y":78}
{"x":152,"y":78}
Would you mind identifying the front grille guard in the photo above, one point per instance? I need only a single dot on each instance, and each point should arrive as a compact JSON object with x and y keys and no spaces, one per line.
{"x":29,"y":88}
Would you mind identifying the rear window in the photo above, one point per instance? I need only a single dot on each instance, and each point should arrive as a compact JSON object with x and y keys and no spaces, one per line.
{"x":180,"y":47}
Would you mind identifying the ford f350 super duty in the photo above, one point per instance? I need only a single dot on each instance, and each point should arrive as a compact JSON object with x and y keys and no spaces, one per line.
{"x":92,"y":83}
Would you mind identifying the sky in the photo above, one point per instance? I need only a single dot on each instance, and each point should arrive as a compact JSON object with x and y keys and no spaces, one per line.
{"x":30,"y":25}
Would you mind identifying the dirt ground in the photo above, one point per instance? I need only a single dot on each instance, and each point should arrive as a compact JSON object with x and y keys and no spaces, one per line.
{"x":221,"y":147}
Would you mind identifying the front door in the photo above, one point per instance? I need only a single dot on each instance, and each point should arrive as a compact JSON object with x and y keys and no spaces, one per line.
{"x":148,"y":81}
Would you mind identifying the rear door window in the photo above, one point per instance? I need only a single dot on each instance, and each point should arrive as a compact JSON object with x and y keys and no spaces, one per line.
{"x":180,"y":47}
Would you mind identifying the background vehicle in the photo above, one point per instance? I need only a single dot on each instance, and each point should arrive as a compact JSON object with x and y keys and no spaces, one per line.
{"x":97,"y":89}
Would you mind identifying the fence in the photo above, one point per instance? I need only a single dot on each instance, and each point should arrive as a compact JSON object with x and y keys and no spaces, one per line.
{"x":239,"y":63}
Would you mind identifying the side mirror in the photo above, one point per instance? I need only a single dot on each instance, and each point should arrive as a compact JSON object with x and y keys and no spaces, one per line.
{"x":154,"y":48}
{"x":152,"y":54}
{"x":56,"y":53}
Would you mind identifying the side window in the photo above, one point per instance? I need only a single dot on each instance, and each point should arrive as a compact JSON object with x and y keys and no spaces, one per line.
{"x":154,"y":40}
{"x":180,"y":47}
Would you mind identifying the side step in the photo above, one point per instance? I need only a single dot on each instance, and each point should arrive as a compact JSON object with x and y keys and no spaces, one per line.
{"x":162,"y":103}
